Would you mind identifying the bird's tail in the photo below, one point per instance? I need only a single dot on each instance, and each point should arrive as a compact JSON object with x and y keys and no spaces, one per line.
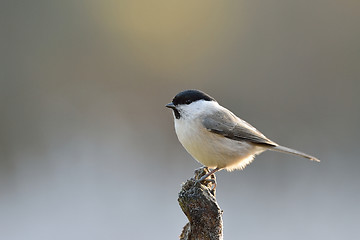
{"x":293,"y":151}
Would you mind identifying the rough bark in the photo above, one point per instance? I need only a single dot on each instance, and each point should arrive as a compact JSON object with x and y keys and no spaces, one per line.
{"x":198,"y":202}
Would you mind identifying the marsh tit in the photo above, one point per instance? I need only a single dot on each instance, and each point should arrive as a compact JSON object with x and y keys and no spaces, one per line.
{"x":216,"y":137}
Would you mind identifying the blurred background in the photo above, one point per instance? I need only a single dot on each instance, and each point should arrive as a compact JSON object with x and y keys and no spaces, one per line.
{"x":88,"y":149}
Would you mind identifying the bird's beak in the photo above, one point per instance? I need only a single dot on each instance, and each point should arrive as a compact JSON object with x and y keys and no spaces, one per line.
{"x":170,"y":105}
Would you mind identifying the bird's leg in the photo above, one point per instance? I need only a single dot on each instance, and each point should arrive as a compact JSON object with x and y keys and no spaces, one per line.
{"x":209,"y":174}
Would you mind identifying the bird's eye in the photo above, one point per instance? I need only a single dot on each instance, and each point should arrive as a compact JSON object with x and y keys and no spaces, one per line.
{"x":188,"y":101}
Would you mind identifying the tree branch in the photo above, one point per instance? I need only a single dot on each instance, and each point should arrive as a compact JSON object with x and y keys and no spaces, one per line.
{"x":198,"y":202}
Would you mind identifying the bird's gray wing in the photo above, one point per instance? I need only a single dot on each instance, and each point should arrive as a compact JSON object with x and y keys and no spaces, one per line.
{"x":225,"y":123}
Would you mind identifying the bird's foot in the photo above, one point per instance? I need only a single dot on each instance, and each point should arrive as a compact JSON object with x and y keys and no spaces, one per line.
{"x":212,"y":180}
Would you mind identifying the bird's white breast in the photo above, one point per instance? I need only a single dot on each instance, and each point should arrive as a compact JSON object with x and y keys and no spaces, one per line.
{"x":211,"y":149}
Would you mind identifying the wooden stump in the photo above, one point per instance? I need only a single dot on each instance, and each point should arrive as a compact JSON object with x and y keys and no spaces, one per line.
{"x":198,"y":202}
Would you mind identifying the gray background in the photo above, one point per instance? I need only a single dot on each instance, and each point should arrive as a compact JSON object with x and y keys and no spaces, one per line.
{"x":88,"y":150}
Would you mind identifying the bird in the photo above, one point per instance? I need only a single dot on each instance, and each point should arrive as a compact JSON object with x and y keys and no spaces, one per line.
{"x":216,"y":137}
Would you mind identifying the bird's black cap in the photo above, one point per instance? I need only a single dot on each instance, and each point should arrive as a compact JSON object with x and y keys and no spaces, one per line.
{"x":189,"y":96}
